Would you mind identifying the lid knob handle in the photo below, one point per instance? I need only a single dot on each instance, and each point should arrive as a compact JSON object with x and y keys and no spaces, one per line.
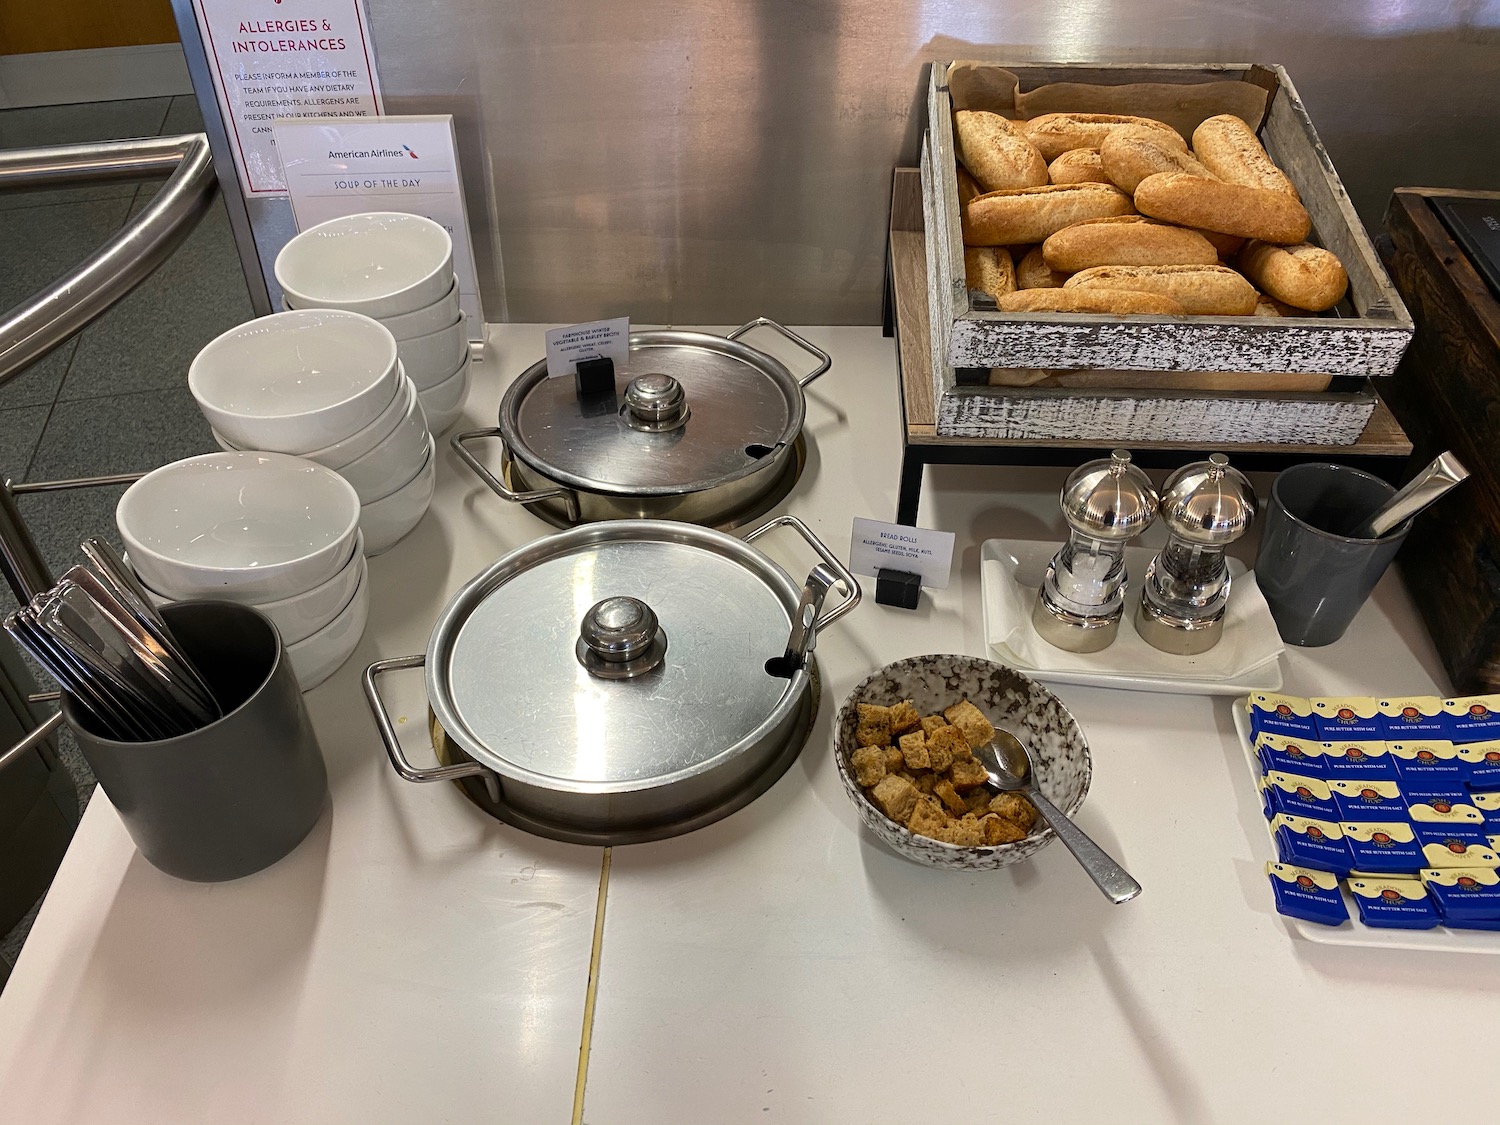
{"x":619,"y":638}
{"x":655,"y":402}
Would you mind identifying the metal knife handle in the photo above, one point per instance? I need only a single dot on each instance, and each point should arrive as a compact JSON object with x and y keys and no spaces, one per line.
{"x":500,"y":488}
{"x":825,"y":360}
{"x":1117,"y":884}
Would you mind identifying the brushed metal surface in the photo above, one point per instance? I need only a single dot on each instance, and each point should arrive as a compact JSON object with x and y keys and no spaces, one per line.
{"x":684,"y":161}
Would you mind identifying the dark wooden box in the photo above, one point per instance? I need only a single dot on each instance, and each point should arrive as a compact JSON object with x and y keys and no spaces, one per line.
{"x":1446,"y":395}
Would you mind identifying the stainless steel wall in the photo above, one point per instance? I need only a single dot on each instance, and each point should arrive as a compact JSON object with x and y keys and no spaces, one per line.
{"x":704,"y":161}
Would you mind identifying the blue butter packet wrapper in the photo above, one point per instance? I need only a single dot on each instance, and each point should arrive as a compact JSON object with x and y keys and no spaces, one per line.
{"x":1282,"y":714}
{"x":1429,"y":762}
{"x":1412,"y":717}
{"x":1472,"y":718}
{"x":1386,"y":848}
{"x":1481,"y":762}
{"x":1472,"y":923}
{"x":1363,"y":799}
{"x":1299,"y":796}
{"x":1304,"y":842}
{"x":1348,"y":719}
{"x":1304,"y":893}
{"x":1392,"y":903}
{"x":1301,"y":756}
{"x":1488,"y":805}
{"x":1464,"y":893}
{"x":1365,"y":761}
{"x":1455,"y":852}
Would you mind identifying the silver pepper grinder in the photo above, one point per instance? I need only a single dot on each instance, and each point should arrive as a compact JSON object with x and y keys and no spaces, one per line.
{"x":1206,"y":506}
{"x":1106,"y":503}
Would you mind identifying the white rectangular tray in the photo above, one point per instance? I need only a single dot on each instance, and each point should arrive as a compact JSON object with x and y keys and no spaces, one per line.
{"x":1247,"y":659}
{"x":1355,"y":932}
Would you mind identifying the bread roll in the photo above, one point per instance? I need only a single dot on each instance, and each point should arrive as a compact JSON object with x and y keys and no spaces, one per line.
{"x":990,"y":270}
{"x":1032,"y":272}
{"x":1129,"y":157}
{"x":1130,"y":240}
{"x":1114,"y":301}
{"x":1201,"y":290}
{"x":1077,"y":166}
{"x":1008,"y":218}
{"x":1228,"y":245}
{"x":1305,"y":277}
{"x":967,"y":188}
{"x":1056,"y":133}
{"x":1270,"y":306}
{"x":996,"y":151}
{"x":1229,"y":149}
{"x":1195,"y":201}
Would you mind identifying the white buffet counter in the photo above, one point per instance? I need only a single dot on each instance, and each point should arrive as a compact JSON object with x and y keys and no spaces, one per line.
{"x":416,"y":961}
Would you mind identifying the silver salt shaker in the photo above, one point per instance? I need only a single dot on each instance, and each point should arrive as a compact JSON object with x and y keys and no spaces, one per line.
{"x":1206,"y":506}
{"x":1106,"y":503}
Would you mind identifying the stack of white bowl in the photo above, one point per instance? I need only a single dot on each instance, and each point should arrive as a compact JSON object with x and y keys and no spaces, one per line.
{"x":397,"y":269}
{"x":262,"y":529}
{"x":325,"y":385}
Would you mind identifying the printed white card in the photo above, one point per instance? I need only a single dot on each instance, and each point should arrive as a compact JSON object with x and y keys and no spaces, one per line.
{"x":893,"y":546}
{"x":599,"y":339}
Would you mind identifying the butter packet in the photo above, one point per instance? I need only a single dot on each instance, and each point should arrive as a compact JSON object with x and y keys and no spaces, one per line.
{"x":1300,"y":756}
{"x":1481,"y":765}
{"x":1455,"y":809}
{"x":1304,"y":893}
{"x":1367,"y":761}
{"x":1348,"y":719}
{"x":1459,"y":853}
{"x":1359,"y":799}
{"x":1392,"y":903}
{"x":1387,"y":848}
{"x":1412,"y":717}
{"x":1472,"y":718}
{"x":1282,"y":714}
{"x":1304,"y":842}
{"x":1298,"y":796}
{"x":1431,"y":762}
{"x":1488,"y":805}
{"x":1464,"y":893}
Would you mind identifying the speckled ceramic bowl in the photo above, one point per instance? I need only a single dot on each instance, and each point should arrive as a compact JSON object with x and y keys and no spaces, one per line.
{"x":1059,"y":752}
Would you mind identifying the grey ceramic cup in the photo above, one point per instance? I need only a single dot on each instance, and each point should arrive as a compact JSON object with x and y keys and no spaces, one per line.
{"x":237,"y":795}
{"x":1314,"y":575}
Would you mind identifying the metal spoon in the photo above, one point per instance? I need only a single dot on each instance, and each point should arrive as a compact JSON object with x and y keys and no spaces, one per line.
{"x":1007,"y":762}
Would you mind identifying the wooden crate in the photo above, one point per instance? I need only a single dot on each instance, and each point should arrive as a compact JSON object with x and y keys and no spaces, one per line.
{"x":1447,"y":396}
{"x":1368,"y":340}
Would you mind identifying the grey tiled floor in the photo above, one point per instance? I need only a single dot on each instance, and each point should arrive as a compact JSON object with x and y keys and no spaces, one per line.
{"x":114,"y":399}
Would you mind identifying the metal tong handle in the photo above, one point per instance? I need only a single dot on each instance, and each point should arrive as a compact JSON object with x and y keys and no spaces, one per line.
{"x":848,"y":584}
{"x":1445,"y":472}
{"x":566,"y":495}
{"x":388,"y":729}
{"x":825,"y":361}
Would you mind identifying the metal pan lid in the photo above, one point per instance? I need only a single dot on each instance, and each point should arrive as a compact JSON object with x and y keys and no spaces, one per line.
{"x":615,"y":656}
{"x":691,"y":411}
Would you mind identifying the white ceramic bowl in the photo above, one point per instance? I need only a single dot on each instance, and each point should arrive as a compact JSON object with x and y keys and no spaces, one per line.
{"x":295,"y":381}
{"x":385,"y":521}
{"x":437,"y":356}
{"x":302,"y":615}
{"x":341,"y":453}
{"x":444,"y":402}
{"x":394,"y":461}
{"x":380,"y":264}
{"x":429,"y":318}
{"x":257,"y":526}
{"x":318,"y":656}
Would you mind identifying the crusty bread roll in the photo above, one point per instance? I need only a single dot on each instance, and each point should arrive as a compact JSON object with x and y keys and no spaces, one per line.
{"x":990,"y":270}
{"x":1129,"y":157}
{"x":996,"y":151}
{"x":1114,"y":301}
{"x":1270,"y":306}
{"x":1229,"y":149}
{"x":1033,"y":272}
{"x":1304,"y":276}
{"x":1056,"y":133}
{"x":967,"y":188}
{"x":1201,"y":290}
{"x":1077,"y":166}
{"x":1009,"y":218}
{"x":1228,"y":245}
{"x":1195,"y":201}
{"x":1130,"y":240}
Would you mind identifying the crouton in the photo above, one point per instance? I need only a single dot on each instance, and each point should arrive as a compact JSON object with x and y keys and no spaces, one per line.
{"x":945,"y":792}
{"x":869,"y":765}
{"x":965,"y":832}
{"x":895,"y":797}
{"x":894,"y":759}
{"x":966,"y":774}
{"x":970,"y":719}
{"x":998,"y":830}
{"x":927,"y":820}
{"x":927,"y":781}
{"x":944,"y":745}
{"x":940,"y":755}
{"x":931,"y":723}
{"x":914,"y":750}
{"x":978,"y":801}
{"x":1014,"y":808}
{"x":874,"y":727}
{"x":904,"y":717}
